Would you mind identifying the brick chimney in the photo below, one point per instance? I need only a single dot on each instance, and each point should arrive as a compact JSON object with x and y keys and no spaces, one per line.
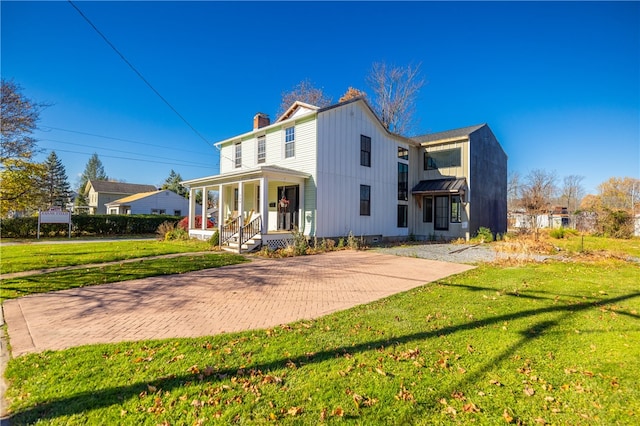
{"x":260,"y":120}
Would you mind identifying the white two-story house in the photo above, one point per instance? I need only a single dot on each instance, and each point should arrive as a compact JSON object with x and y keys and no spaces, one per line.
{"x":332,"y":171}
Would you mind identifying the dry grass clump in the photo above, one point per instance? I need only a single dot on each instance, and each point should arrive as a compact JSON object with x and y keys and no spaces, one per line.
{"x":525,"y":244}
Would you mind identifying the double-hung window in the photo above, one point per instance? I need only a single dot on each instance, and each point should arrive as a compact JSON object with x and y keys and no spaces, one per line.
{"x":238,"y":154}
{"x":365,"y":200}
{"x":289,"y":142}
{"x":262,"y":149}
{"x":365,"y":151}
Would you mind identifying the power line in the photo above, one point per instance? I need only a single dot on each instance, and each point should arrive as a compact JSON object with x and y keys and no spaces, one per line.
{"x":126,"y":152}
{"x":117,"y":139}
{"x":138,"y":73}
{"x":132,"y":159}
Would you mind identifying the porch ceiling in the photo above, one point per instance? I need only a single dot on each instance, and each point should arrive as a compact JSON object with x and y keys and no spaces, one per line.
{"x":270,"y":172}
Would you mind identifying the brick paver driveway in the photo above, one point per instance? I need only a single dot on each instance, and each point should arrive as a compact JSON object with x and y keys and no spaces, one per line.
{"x":259,"y":294}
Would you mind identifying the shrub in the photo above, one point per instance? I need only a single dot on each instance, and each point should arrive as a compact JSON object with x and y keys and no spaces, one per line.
{"x":616,"y":224}
{"x":26,"y":227}
{"x":215,"y":239}
{"x":164,"y":228}
{"x":300,"y":243}
{"x":484,"y":235}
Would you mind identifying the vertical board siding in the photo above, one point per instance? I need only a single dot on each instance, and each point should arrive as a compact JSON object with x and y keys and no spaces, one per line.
{"x":340,"y":174}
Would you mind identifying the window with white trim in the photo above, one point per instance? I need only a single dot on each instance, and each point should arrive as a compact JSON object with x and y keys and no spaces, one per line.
{"x":238,"y":154}
{"x":289,"y":142}
{"x":262,"y":149}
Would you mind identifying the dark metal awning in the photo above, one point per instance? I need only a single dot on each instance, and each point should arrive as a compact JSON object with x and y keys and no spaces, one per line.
{"x":439,"y":186}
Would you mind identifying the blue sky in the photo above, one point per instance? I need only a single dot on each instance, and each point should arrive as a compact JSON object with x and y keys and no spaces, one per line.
{"x":558,"y":83}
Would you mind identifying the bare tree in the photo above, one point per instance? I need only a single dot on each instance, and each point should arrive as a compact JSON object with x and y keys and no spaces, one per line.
{"x":305,"y":92}
{"x":513,"y":190}
{"x":536,"y":193}
{"x":395,"y":91}
{"x":572,"y":192}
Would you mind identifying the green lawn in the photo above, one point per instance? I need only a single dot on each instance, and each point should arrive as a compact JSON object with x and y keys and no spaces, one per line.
{"x":590,"y":244}
{"x":62,"y":280}
{"x":26,"y":257}
{"x":544,"y":343}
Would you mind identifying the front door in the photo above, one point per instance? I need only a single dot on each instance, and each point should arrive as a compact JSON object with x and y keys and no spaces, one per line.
{"x":288,"y":205}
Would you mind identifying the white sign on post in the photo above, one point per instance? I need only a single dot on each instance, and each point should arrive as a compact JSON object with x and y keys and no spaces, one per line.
{"x":54,"y":216}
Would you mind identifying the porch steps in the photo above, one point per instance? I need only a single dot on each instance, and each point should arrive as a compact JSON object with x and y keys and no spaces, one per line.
{"x":249,"y":246}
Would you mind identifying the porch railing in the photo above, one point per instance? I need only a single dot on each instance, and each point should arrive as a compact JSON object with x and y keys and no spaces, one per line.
{"x":250,"y":230}
{"x":229,"y":230}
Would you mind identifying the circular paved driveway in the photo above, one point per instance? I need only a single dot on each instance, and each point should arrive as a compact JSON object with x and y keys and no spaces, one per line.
{"x":260,"y":294}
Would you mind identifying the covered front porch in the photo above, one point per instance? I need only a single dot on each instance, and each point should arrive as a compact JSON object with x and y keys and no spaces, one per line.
{"x":256,"y":207}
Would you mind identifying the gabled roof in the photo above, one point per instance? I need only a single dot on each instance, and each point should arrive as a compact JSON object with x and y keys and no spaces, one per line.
{"x":293,"y":108}
{"x":448,"y":135}
{"x":434,"y":186}
{"x":120,"y":187}
{"x":135,"y":197}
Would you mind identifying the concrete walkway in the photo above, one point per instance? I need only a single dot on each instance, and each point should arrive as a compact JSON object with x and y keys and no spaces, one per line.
{"x":259,"y":294}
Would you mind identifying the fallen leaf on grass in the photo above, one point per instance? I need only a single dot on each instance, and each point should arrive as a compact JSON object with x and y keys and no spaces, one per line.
{"x":506,"y":416}
{"x":294,"y":411}
{"x":470,"y":408}
{"x":338,"y":412}
{"x":529,"y":391}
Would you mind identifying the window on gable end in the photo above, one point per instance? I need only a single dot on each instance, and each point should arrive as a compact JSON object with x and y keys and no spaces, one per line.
{"x":365,"y":151}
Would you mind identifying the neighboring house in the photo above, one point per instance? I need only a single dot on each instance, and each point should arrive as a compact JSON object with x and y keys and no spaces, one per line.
{"x":337,"y":170}
{"x":153,"y":202}
{"x":101,"y":192}
{"x":557,"y":217}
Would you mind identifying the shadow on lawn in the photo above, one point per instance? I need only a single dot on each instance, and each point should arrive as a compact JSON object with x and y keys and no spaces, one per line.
{"x":86,"y":401}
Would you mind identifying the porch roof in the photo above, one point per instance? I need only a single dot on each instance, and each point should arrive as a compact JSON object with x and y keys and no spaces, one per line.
{"x":439,"y":186}
{"x":271,"y":172}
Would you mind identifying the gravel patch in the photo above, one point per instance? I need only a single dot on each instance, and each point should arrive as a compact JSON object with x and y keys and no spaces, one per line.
{"x":457,"y":253}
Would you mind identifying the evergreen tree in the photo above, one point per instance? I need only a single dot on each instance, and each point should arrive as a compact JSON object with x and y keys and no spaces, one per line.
{"x":172,"y":183}
{"x":56,"y":185}
{"x":94,"y":170}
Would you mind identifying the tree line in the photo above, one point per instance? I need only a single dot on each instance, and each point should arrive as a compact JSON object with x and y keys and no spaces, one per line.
{"x":611,"y":211}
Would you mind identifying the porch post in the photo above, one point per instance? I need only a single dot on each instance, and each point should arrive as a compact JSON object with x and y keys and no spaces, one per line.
{"x":204,"y":208}
{"x":241,"y":213}
{"x":264,"y":204}
{"x":192,"y":207}
{"x":220,"y":212}
{"x":302,"y":223}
